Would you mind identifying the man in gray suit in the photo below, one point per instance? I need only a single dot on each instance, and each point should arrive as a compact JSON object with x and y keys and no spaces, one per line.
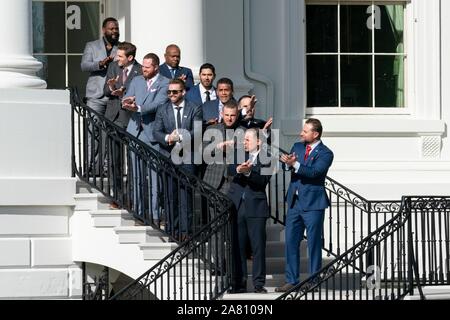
{"x":216,"y":171}
{"x":219,"y":143}
{"x":118,"y":78}
{"x":97,"y":56}
{"x":145,"y":93}
{"x":175,"y":123}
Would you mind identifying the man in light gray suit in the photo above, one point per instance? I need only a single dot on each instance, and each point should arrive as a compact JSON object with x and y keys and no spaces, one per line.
{"x":144,"y":95}
{"x":96,"y":57}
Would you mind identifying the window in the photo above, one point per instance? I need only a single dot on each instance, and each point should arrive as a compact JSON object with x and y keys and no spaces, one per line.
{"x":355,"y":54}
{"x":60,"y":32}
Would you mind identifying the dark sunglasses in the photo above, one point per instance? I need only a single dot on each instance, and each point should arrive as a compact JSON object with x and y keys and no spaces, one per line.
{"x":173,"y":91}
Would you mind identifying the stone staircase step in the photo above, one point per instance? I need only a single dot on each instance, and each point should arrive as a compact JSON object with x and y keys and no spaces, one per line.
{"x":140,"y":234}
{"x":274,"y":232}
{"x":157,"y":251}
{"x":112,"y":218}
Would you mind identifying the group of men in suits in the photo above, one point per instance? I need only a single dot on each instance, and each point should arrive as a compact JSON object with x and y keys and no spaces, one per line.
{"x":159,"y":104}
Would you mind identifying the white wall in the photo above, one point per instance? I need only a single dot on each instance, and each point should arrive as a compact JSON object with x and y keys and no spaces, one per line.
{"x":36,"y":196}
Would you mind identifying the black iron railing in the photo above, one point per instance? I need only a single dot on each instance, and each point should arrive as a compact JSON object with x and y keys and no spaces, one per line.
{"x":348,"y":220}
{"x":409,"y":251}
{"x":147,"y":184}
{"x":131,"y":173}
{"x":192,"y":271}
{"x":96,"y":288}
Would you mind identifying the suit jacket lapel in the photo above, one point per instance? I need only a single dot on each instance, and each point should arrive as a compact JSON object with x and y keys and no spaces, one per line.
{"x":186,"y":111}
{"x":171,"y":116}
{"x":152,"y":87}
{"x":133,"y":72}
{"x":314,"y":153}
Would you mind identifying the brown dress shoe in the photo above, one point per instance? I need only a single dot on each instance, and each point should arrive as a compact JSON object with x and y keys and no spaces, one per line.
{"x":284,"y":288}
{"x":113,"y":205}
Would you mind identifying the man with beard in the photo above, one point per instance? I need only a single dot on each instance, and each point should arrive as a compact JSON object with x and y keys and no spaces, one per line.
{"x":203,"y":91}
{"x":97,"y":56}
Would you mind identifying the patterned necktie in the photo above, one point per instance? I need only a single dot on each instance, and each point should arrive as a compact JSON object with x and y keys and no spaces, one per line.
{"x":220,"y":111}
{"x":149,"y":84}
{"x":252,"y":159}
{"x":308,"y":150}
{"x":178,"y":117}
{"x":124,"y":75}
{"x":208,"y":96}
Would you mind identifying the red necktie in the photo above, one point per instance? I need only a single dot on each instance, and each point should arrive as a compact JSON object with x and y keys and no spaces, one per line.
{"x":308,"y":150}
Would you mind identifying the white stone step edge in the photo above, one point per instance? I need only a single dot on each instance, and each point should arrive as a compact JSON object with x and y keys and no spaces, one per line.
{"x":139,"y":234}
{"x":112,"y":218}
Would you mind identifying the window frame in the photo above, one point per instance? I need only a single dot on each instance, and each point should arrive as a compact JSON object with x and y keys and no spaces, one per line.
{"x":66,"y":54}
{"x":339,"y":109}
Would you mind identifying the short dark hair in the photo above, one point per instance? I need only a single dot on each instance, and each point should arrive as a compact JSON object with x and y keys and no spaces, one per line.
{"x":178,"y":81}
{"x":226,"y":81}
{"x":243,"y":97}
{"x":316,"y":125}
{"x":129,"y":48}
{"x":109,"y":19}
{"x":154,"y":58}
{"x":208,"y":66}
{"x":231,"y":104}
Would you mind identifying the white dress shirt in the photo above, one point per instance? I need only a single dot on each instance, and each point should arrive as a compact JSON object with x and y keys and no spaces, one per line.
{"x":297,"y":163}
{"x":175,"y":116}
{"x":212,"y":93}
{"x":153,"y":80}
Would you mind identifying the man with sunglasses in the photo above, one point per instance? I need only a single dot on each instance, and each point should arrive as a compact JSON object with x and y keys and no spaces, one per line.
{"x":173,"y":130}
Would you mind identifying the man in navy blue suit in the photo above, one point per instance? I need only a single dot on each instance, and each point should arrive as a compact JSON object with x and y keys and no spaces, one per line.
{"x":204,"y":91}
{"x":248,"y":193}
{"x":309,"y":161}
{"x":171,"y":68}
{"x":174,"y":124}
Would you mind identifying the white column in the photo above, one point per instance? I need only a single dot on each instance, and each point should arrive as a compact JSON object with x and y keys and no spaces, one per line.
{"x":17,"y":66}
{"x":157,"y":23}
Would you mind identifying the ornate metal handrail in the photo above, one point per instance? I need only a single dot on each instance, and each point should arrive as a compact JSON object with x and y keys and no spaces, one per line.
{"x":349,"y":219}
{"x":393,"y":270}
{"x":185,"y":274}
{"x":124,"y":169}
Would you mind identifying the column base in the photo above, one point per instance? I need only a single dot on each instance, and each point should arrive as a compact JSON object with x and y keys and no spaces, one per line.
{"x":20,"y":72}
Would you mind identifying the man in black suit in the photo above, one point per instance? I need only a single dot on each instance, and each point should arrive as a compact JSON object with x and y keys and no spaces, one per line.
{"x":118,"y":77}
{"x":248,"y":193}
{"x":171,"y":68}
{"x":174,"y":125}
{"x":247,"y":108}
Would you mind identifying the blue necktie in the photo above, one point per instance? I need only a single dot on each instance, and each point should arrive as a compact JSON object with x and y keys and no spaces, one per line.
{"x":172,"y":71}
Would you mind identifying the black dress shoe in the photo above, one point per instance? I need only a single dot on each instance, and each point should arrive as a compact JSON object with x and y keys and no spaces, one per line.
{"x":260,"y":290}
{"x":237,"y":290}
